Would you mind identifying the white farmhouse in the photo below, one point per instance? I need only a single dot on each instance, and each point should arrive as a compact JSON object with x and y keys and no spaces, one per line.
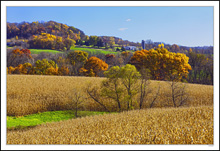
{"x":131,"y":48}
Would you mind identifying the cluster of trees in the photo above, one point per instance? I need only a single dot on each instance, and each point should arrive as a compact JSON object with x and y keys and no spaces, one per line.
{"x":96,"y":41}
{"x":161,"y":63}
{"x":120,"y":42}
{"x":75,"y":63}
{"x":42,"y":67}
{"x":18,"y":56}
{"x":180,"y":49}
{"x":130,"y":89}
{"x":26,"y":30}
{"x":191,"y":67}
{"x":202,"y":68}
{"x":49,"y":41}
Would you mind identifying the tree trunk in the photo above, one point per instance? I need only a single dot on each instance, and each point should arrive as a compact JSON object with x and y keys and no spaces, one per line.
{"x":76,"y":112}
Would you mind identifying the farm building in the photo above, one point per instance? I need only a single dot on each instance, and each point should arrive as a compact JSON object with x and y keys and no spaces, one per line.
{"x":131,"y":48}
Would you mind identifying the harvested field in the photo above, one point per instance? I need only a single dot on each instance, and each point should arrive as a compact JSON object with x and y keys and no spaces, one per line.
{"x":189,"y":125}
{"x":28,"y":94}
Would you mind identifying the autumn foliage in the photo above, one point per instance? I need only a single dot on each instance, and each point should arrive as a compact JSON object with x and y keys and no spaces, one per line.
{"x":19,"y":53}
{"x":25,"y":68}
{"x":77,"y":56}
{"x":125,"y":54}
{"x":25,"y":30}
{"x":77,"y":59}
{"x":63,"y":70}
{"x":49,"y":41}
{"x":26,"y":51}
{"x":45,"y":67}
{"x":161,"y":63}
{"x":93,"y":66}
{"x":110,"y":58}
{"x":17,"y":56}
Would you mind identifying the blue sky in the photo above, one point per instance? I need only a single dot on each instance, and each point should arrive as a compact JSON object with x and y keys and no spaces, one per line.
{"x":188,"y":26}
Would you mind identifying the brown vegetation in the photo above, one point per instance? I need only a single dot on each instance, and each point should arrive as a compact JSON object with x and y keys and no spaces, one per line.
{"x":190,"y":125}
{"x":28,"y":94}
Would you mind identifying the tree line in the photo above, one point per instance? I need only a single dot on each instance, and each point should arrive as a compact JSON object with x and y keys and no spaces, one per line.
{"x":191,"y":67}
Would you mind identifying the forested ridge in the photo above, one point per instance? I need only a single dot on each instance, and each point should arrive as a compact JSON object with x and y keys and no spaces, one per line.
{"x":26,"y":30}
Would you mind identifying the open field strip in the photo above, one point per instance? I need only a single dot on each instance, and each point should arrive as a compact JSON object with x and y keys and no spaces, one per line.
{"x":187,"y":125}
{"x":29,"y":94}
{"x":94,"y":51}
{"x":90,"y":50}
{"x":38,"y":51}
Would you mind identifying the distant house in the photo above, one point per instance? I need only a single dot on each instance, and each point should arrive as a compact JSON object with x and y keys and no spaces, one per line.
{"x":131,"y":48}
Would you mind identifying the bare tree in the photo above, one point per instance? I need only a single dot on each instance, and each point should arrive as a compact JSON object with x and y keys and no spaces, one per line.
{"x":95,"y":95}
{"x":145,"y":88}
{"x":144,"y":91}
{"x":155,"y":97}
{"x":76,"y":101}
{"x":178,"y":94}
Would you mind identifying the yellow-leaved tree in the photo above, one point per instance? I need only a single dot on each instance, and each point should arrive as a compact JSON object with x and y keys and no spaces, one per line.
{"x":162,"y":63}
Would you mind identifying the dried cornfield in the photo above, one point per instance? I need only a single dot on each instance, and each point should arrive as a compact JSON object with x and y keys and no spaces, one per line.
{"x":28,"y":94}
{"x":187,"y":125}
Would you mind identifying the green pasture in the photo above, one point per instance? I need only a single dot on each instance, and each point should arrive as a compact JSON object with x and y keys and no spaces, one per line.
{"x":38,"y":51}
{"x":89,"y":50}
{"x":93,"y":51}
{"x":44,"y":117}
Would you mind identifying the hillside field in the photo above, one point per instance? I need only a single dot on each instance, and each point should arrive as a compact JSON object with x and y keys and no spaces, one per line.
{"x":38,"y":51}
{"x":94,"y":51}
{"x":191,"y":125}
{"x":89,"y":50}
{"x":28,"y":94}
{"x":35,"y":94}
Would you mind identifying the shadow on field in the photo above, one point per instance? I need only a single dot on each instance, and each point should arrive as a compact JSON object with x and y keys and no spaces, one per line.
{"x":21,"y":128}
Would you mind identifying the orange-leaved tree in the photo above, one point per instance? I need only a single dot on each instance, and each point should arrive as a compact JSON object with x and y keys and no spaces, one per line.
{"x":161,"y":63}
{"x":25,"y":68}
{"x":26,"y":51}
{"x":93,"y":67}
{"x":17,"y":56}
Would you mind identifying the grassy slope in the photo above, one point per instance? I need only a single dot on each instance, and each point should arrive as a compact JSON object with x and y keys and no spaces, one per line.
{"x":38,"y":51}
{"x":94,"y":51}
{"x":91,"y":50}
{"x":39,"y":118}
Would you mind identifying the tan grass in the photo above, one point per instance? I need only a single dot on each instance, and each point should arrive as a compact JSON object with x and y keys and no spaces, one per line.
{"x":188,"y":125}
{"x":28,"y":94}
